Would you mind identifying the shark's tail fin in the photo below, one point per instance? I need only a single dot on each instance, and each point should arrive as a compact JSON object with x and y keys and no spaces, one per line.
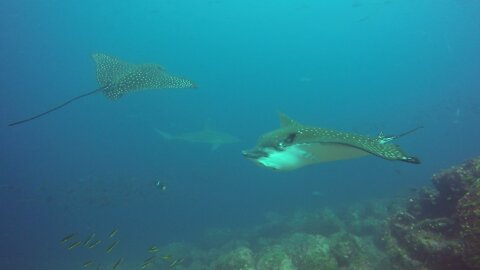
{"x":164,"y":135}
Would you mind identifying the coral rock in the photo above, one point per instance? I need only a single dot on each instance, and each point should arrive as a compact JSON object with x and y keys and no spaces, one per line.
{"x":469,"y":218}
{"x":238,"y":259}
{"x":309,"y":252}
{"x":275,"y":258}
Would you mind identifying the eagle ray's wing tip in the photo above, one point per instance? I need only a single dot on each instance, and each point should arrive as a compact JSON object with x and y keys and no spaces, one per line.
{"x":413,"y":160}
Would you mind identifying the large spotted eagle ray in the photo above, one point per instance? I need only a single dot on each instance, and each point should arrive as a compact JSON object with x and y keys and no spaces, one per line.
{"x":294,"y":145}
{"x":117,"y":78}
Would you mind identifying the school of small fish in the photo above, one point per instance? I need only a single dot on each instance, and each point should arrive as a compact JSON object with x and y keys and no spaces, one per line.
{"x":91,"y":242}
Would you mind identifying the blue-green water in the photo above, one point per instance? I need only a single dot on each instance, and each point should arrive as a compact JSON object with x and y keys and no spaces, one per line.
{"x":364,"y":66}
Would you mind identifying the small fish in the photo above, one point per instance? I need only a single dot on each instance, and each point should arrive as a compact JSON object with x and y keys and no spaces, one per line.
{"x":87,"y":264}
{"x":161,"y":186}
{"x":146,"y":265}
{"x":113,"y":233}
{"x":153,"y":249}
{"x":175,"y":262}
{"x":109,"y":249}
{"x":94,"y":244}
{"x":99,"y":267}
{"x":149,"y":259}
{"x":166,"y":257}
{"x":74,"y":245}
{"x":67,"y":238}
{"x":89,"y":239}
{"x":117,"y":264}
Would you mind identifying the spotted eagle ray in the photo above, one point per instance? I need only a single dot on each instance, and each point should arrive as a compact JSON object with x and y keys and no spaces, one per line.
{"x":208,"y":135}
{"x":117,"y":78}
{"x":294,"y":145}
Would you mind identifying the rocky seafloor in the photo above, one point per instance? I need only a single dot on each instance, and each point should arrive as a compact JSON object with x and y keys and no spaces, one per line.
{"x":436,"y":228}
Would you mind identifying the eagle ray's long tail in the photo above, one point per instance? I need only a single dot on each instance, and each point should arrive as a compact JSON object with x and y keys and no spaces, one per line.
{"x":58,"y":107}
{"x":385,"y":139}
{"x":407,"y":132}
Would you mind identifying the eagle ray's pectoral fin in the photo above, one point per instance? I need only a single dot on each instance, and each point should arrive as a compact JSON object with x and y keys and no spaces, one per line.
{"x":413,"y":160}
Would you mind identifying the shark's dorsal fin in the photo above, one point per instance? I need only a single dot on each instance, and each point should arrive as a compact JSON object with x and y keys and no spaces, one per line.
{"x":215,"y":146}
{"x":286,"y":121}
{"x":208,"y":125}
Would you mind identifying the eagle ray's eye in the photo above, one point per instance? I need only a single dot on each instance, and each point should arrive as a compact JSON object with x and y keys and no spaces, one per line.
{"x":289,"y":140}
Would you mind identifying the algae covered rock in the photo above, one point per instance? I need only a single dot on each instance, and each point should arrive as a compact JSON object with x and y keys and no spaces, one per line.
{"x":396,"y":257}
{"x":237,"y":259}
{"x":324,"y":222}
{"x":275,"y":226}
{"x":364,"y":219}
{"x":366,"y":227}
{"x":216,"y":237}
{"x":275,"y":258}
{"x":353,"y":252}
{"x":425,"y":204}
{"x":459,"y":189}
{"x":309,"y":252}
{"x":453,"y":184}
{"x":441,"y":227}
{"x":344,"y":247}
{"x":437,"y":228}
{"x":426,"y":240}
{"x":469,"y":218}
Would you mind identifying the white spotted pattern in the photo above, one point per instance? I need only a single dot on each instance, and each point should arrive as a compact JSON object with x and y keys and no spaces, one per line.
{"x":122,"y":77}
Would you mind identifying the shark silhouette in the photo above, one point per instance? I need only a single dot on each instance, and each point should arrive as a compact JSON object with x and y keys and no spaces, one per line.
{"x":294,"y":145}
{"x":117,"y":78}
{"x":209,"y":136}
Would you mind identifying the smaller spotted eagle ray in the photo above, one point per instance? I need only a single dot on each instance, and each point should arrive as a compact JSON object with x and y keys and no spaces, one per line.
{"x":117,"y":78}
{"x":294,"y":145}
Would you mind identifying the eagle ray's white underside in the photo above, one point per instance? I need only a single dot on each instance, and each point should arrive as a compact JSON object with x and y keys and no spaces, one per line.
{"x":300,"y":155}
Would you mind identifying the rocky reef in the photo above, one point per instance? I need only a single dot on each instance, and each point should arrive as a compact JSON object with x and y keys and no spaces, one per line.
{"x":436,"y":228}
{"x":440,"y":226}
